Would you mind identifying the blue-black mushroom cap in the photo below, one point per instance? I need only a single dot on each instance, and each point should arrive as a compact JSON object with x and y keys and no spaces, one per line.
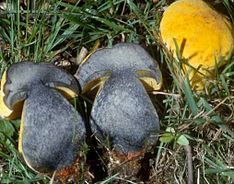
{"x":22,"y":77}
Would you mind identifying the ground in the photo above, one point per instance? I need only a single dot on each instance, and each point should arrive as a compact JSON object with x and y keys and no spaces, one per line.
{"x":196,"y":128}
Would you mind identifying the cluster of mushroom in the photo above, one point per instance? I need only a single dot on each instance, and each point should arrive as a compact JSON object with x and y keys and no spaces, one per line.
{"x":52,"y":130}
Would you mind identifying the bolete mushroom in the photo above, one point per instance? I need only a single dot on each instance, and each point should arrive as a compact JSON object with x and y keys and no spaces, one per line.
{"x":51,"y":130}
{"x":122,"y":110}
{"x":203,"y":35}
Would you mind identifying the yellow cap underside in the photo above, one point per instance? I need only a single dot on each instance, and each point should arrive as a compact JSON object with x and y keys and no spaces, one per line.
{"x":150,"y":84}
{"x":5,"y":112}
{"x":94,"y":86}
{"x":66,"y":92}
{"x":149,"y":81}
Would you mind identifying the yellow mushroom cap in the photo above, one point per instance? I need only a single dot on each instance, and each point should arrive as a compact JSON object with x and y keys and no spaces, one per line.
{"x":203,"y":35}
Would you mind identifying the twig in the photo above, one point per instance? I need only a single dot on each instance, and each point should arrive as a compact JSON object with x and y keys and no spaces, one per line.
{"x":52,"y":178}
{"x":188,"y":152}
{"x":164,"y":93}
{"x":123,"y":10}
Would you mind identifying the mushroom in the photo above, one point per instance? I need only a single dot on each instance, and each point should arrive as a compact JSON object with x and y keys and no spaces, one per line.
{"x":51,"y":130}
{"x":204,"y":37}
{"x":122,"y":110}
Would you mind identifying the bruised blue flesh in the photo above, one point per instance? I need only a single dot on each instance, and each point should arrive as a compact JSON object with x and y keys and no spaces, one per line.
{"x":21,"y":77}
{"x":52,"y":130}
{"x":123,"y":113}
{"x":123,"y":56}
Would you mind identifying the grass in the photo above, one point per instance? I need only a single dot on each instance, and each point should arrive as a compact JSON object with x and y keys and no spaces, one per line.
{"x":56,"y":31}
